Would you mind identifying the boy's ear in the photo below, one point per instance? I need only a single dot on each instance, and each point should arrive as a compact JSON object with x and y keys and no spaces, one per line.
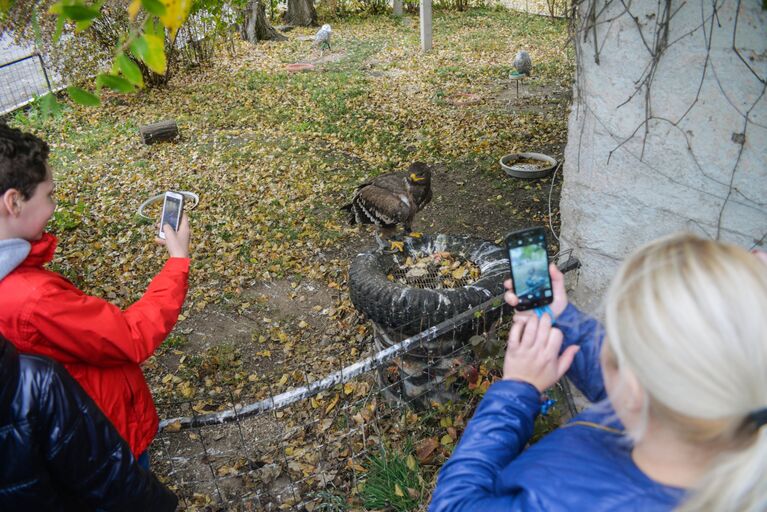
{"x":11,"y":201}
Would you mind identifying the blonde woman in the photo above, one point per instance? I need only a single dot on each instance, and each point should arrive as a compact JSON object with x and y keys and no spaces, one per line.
{"x":681,"y":377}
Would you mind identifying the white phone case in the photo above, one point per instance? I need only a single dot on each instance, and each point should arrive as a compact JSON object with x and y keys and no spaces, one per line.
{"x":172,"y":208}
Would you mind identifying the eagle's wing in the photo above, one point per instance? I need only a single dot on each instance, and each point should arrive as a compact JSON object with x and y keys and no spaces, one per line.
{"x":382,"y":206}
{"x":393,"y":182}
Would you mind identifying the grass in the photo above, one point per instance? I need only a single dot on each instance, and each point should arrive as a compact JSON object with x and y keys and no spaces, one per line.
{"x":393,"y":482}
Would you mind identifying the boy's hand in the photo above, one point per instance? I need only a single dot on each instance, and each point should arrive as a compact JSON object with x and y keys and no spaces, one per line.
{"x":558,"y":287}
{"x":532,"y":353}
{"x":177,"y":242}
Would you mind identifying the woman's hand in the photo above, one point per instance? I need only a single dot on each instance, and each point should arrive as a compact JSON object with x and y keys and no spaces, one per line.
{"x":559,"y":303}
{"x":532,"y":352}
{"x":177,"y":242}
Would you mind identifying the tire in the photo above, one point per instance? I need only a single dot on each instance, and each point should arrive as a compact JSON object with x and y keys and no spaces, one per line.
{"x":409,"y":310}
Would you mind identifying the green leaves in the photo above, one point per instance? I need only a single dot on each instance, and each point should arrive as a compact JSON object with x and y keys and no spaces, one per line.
{"x":153,"y":7}
{"x":79,"y":12}
{"x":130,"y":70}
{"x":150,"y":48}
{"x":114,"y":82}
{"x":83,"y":97}
{"x":49,"y":106}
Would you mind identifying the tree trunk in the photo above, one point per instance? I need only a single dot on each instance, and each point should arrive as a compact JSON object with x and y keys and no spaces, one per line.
{"x":255,"y":26}
{"x":301,"y":13}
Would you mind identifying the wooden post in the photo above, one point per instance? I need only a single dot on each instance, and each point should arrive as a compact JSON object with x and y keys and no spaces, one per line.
{"x":397,"y":7}
{"x":158,"y":132}
{"x":426,"y":25}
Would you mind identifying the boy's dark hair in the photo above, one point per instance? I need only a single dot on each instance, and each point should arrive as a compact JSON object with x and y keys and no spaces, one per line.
{"x":22,"y":161}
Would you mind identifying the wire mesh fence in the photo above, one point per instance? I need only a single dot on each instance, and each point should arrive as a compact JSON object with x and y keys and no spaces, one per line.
{"x":370,"y":435}
{"x":21,"y":80}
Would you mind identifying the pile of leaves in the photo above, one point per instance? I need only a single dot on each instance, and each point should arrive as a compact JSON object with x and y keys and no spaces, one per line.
{"x":435,"y":271}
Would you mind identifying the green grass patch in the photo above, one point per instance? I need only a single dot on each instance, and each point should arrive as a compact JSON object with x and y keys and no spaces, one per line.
{"x":393,"y":481}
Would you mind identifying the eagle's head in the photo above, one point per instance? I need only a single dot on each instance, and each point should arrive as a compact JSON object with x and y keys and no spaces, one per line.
{"x":419,"y":174}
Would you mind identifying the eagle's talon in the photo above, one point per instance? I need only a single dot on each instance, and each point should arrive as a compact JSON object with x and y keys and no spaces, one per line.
{"x":397,"y":246}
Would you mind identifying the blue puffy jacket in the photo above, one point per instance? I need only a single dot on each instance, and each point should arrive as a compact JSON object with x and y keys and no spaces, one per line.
{"x":585,"y":465}
{"x":58,"y":451}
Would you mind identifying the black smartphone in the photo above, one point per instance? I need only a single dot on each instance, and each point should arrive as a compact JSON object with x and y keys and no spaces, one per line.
{"x":529,"y":262}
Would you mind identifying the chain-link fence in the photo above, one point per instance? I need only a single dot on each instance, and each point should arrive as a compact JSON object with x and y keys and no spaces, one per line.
{"x":370,"y":435}
{"x":22,"y":79}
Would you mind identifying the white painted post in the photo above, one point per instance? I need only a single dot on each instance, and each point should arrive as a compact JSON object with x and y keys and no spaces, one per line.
{"x":397,"y":7}
{"x":426,"y":25}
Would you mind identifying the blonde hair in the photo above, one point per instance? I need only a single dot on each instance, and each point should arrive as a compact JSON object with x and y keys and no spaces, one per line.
{"x":687,"y":316}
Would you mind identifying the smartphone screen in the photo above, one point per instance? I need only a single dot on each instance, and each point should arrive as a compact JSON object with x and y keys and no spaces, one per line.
{"x":171,"y":212}
{"x":530,"y":268}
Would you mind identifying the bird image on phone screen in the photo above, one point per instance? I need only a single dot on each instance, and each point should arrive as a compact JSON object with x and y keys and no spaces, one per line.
{"x":530,"y":268}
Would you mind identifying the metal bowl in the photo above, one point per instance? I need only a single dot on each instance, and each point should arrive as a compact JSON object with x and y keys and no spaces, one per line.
{"x":509,"y":163}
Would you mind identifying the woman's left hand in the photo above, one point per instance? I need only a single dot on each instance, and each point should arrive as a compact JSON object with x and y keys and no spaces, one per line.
{"x":532,"y":352}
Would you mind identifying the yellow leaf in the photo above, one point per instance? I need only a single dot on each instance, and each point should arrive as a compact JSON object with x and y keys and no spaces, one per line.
{"x":398,"y":490}
{"x":399,"y":246}
{"x":459,"y":273}
{"x":410,"y":461}
{"x":348,"y":388}
{"x":283,"y":379}
{"x":154,"y":57}
{"x":133,"y":9}
{"x":175,"y":15}
{"x":332,"y":404}
{"x":446,"y":440}
{"x":173,"y":427}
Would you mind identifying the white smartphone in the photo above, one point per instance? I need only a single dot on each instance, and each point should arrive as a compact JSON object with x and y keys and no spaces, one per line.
{"x":172,"y":208}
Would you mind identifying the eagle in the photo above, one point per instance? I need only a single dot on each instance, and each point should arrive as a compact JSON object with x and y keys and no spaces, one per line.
{"x":391,"y":199}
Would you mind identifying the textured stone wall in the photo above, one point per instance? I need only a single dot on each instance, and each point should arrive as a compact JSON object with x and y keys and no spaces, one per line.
{"x":690,"y":154}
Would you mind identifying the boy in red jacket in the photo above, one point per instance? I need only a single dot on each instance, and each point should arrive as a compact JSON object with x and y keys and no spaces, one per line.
{"x":41,"y":312}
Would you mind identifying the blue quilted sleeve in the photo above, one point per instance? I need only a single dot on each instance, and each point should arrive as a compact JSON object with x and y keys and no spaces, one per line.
{"x":583,"y":330}
{"x":499,"y":430}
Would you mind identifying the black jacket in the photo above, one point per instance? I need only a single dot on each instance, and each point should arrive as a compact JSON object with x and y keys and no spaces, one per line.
{"x":58,"y":451}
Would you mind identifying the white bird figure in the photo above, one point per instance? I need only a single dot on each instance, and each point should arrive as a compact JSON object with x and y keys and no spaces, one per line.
{"x":322,"y":39}
{"x":522,"y":63}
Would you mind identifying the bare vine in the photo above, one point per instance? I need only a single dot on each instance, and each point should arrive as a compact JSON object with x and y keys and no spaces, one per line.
{"x":592,"y":20}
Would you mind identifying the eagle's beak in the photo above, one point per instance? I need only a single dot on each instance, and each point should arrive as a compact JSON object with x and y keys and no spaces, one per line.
{"x":414,"y":177}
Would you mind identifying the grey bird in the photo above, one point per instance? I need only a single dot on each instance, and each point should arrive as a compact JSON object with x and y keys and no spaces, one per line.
{"x":391,"y":199}
{"x":522,"y":63}
{"x":322,"y":39}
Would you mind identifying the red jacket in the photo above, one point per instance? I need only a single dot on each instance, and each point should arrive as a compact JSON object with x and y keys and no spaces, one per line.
{"x":41,"y":312}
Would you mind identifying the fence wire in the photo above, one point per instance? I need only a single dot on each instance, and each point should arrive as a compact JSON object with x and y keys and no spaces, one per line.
{"x":314,"y":447}
{"x":21,"y":80}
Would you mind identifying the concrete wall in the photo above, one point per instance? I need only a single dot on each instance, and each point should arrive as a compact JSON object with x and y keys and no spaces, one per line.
{"x":702,"y":164}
